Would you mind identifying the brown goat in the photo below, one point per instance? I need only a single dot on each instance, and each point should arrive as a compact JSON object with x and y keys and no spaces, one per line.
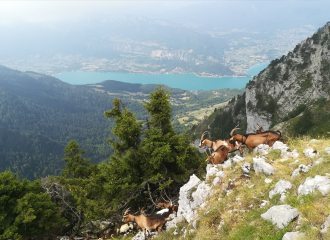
{"x":253,"y":140}
{"x":149,"y":222}
{"x":214,"y":145}
{"x":172,"y":207}
{"x":164,"y":205}
{"x":219,"y":156}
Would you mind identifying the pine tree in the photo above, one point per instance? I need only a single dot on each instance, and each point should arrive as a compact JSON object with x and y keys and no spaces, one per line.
{"x":26,"y":210}
{"x":147,"y":160}
{"x":79,"y":178}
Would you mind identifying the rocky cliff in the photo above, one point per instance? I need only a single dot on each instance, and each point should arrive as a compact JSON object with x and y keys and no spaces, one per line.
{"x":300,"y":77}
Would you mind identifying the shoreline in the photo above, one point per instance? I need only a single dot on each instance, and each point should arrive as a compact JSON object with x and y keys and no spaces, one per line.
{"x":150,"y":74}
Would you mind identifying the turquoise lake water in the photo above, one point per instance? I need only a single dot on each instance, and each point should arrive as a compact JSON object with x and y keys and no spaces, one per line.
{"x":182,"y":81}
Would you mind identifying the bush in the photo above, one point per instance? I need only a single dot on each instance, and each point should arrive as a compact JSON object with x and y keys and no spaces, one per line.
{"x":304,"y":124}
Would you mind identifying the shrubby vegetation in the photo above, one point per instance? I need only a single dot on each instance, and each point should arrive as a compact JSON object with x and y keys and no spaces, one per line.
{"x":26,"y":210}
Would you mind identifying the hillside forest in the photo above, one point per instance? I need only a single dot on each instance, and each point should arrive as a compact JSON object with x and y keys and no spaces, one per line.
{"x":150,"y":160}
{"x":40,"y":115}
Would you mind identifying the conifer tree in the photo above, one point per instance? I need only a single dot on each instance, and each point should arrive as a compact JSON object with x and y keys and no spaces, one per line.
{"x":78,"y":178}
{"x":26,"y":211}
{"x":150,"y":160}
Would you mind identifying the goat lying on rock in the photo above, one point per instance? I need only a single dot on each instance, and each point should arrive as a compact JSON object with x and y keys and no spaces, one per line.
{"x":253,"y":140}
{"x":149,"y":222}
{"x":219,"y":156}
{"x":215,"y":145}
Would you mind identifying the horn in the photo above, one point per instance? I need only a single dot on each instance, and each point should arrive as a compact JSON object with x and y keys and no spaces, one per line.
{"x":203,"y":135}
{"x":126,"y":212}
{"x":232,"y":131}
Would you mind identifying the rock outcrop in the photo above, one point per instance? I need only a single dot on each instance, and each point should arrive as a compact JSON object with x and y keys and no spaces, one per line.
{"x":281,"y":187}
{"x":294,"y":79}
{"x":293,"y":236}
{"x":321,"y":183}
{"x":281,"y":215}
{"x":260,"y":165}
{"x":325,"y":225}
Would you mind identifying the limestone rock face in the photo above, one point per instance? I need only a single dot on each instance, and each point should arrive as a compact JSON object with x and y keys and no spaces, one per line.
{"x":281,"y":215}
{"x":185,"y":208}
{"x":327,"y":150}
{"x":192,"y":195}
{"x":173,"y":222}
{"x":321,"y":183}
{"x":200,"y":195}
{"x":294,"y":154}
{"x":227,"y":163}
{"x":310,"y":152}
{"x":301,"y":168}
{"x":281,"y":187}
{"x":196,"y":145}
{"x":237,"y":159}
{"x":260,"y":165}
{"x":262,"y":148}
{"x":280,"y":146}
{"x":246,"y":167}
{"x":281,"y":83}
{"x":293,"y":236}
{"x":210,"y":171}
{"x":318,"y":161}
{"x":140,"y":235}
{"x":325,"y":225}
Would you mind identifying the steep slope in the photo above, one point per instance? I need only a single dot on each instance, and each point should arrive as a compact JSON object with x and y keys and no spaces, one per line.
{"x":299,"y":78}
{"x":236,"y":202}
{"x":40,"y":114}
{"x":291,"y":94}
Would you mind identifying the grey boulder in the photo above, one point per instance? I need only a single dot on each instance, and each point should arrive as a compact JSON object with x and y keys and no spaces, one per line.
{"x":301,"y":168}
{"x":327,"y":150}
{"x":293,"y":236}
{"x":325,"y":225}
{"x":262,"y":148}
{"x":260,"y":165}
{"x":321,"y":183}
{"x":310,"y":152}
{"x":281,"y":215}
{"x":185,"y":209}
{"x":281,"y":187}
{"x":280,"y":146}
{"x":246,"y":167}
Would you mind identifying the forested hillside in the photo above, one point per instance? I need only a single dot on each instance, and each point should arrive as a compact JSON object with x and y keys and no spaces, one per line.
{"x":39,"y":115}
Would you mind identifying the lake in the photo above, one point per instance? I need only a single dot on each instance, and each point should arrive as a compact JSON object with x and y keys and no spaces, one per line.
{"x":182,"y":81}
